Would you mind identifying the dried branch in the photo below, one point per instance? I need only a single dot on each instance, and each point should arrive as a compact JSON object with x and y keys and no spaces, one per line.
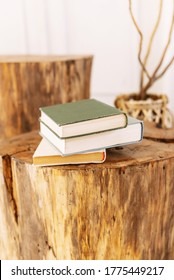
{"x":151,"y":41}
{"x":166,"y":47}
{"x":154,"y":79}
{"x":141,"y":39}
{"x":154,"y":76}
{"x":165,"y":69}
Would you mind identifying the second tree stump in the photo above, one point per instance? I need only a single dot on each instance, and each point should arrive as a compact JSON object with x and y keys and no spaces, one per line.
{"x":30,"y":82}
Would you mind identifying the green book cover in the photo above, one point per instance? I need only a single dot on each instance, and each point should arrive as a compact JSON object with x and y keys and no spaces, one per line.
{"x":80,"y":111}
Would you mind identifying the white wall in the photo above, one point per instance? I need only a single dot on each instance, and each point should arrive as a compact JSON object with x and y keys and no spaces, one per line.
{"x":103,"y":27}
{"x":99,"y":27}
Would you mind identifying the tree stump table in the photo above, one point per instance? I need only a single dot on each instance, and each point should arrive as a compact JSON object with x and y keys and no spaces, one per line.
{"x":121,"y":209}
{"x":30,"y":82}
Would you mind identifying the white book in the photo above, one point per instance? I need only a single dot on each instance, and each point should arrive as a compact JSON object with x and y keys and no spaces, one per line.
{"x":46,"y":155}
{"x":131,"y":134}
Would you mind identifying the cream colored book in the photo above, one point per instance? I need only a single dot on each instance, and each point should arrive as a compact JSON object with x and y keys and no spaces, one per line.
{"x":46,"y":155}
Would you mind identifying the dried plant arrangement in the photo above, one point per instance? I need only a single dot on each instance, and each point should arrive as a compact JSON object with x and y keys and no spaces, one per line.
{"x":145,"y":105}
{"x":158,"y":72}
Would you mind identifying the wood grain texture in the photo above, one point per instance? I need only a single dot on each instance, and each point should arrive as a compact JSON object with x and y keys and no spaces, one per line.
{"x":29,"y":82}
{"x":151,"y":131}
{"x":121,"y":209}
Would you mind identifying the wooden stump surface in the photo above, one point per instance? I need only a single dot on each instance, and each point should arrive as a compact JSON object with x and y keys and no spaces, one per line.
{"x":121,"y":209}
{"x":151,"y":131}
{"x":30,"y":82}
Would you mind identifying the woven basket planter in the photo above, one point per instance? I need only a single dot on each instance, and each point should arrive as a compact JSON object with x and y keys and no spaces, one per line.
{"x":153,"y":109}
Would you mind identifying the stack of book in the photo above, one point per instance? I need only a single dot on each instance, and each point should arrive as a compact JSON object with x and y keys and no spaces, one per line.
{"x":81,"y":131}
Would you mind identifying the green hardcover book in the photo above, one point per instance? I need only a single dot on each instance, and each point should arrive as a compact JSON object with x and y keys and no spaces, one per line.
{"x":82,"y":117}
{"x":132,"y":133}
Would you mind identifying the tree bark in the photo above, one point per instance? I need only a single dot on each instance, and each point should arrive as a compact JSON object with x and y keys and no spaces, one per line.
{"x":29,"y":82}
{"x":121,"y":209}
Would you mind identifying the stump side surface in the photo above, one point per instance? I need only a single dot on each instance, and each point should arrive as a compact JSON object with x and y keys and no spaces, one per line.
{"x":121,"y":209}
{"x":30,"y":82}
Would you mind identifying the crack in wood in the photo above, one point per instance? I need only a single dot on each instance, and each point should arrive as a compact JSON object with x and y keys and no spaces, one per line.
{"x":8,"y":179}
{"x":50,"y":248}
